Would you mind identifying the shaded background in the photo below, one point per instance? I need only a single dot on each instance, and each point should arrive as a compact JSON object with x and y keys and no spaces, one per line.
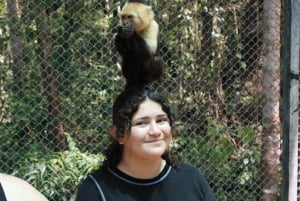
{"x":60,"y":74}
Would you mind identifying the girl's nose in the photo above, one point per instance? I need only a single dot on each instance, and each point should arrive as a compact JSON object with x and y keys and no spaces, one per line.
{"x":154,"y":129}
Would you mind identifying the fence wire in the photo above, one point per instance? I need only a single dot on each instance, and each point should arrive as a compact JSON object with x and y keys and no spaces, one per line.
{"x":60,"y":74}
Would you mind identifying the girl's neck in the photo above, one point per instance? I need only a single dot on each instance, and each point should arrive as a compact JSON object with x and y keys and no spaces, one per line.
{"x":142,"y":169}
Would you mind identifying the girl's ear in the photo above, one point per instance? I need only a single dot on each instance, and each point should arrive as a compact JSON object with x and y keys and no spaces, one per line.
{"x":113,"y":134}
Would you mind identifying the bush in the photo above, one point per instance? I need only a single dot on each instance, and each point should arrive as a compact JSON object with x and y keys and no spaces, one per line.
{"x":224,"y":153}
{"x":57,"y":174}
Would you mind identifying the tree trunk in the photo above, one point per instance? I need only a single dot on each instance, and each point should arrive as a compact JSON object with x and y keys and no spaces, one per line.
{"x":54,"y":132}
{"x":16,"y":43}
{"x":271,"y":91}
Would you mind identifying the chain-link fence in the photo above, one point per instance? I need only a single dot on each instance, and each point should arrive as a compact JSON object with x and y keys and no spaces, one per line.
{"x":60,"y":74}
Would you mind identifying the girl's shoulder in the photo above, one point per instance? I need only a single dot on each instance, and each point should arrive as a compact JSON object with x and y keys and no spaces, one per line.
{"x":188,"y":171}
{"x":186,"y":167}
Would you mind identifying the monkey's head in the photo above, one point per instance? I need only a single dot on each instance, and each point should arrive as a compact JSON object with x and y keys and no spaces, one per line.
{"x":137,"y":15}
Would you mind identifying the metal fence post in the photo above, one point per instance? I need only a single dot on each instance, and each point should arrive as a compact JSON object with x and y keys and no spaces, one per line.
{"x":290,"y":100}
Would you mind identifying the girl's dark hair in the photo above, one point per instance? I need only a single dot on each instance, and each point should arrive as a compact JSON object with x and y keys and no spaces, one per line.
{"x":124,"y":107}
{"x":138,"y":1}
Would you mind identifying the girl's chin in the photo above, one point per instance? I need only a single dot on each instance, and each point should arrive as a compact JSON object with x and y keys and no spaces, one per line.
{"x":158,"y":151}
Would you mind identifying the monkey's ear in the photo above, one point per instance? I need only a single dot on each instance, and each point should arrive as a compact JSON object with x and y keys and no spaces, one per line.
{"x":150,"y":11}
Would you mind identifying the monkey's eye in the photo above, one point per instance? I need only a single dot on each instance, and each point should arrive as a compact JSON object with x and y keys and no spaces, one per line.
{"x":130,"y":16}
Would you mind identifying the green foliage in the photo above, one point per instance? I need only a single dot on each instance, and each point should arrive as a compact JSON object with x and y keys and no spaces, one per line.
{"x":57,"y":174}
{"x":217,"y":154}
{"x":206,"y":51}
{"x":89,"y":122}
{"x":243,"y":172}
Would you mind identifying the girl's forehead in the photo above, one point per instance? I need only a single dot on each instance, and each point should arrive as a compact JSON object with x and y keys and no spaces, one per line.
{"x":148,"y":108}
{"x":149,"y":103}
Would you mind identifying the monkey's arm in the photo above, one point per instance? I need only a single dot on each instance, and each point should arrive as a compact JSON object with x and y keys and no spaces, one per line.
{"x":135,"y":45}
{"x":122,"y":39}
{"x":129,"y":42}
{"x":121,"y":45}
{"x":140,"y":48}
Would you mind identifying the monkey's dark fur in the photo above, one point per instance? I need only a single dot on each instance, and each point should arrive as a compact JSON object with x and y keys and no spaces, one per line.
{"x":137,"y":43}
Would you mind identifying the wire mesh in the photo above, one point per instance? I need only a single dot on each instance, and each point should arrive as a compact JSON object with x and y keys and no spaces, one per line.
{"x":60,"y":74}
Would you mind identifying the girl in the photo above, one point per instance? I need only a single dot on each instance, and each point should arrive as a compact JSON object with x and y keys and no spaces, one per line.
{"x":139,"y":165}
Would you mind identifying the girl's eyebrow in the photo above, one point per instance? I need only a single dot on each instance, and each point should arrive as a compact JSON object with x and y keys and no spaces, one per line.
{"x":141,"y":118}
{"x":147,"y":117}
{"x":162,"y":115}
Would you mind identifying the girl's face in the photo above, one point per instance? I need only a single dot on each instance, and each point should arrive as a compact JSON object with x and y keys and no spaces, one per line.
{"x":150,"y":133}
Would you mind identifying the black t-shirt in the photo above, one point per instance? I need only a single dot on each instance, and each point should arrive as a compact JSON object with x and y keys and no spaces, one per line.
{"x":184,"y":183}
{"x":2,"y":194}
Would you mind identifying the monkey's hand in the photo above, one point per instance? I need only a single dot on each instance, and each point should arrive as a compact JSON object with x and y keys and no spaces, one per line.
{"x":125,"y":31}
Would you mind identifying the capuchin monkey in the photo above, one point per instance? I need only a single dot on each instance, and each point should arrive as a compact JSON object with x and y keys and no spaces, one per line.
{"x":137,"y":41}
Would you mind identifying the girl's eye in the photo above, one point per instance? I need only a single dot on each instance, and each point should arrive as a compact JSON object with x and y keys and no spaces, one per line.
{"x":162,"y":120}
{"x":140,"y":123}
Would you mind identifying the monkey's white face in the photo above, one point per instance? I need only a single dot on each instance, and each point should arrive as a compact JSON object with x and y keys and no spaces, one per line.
{"x":137,"y":15}
{"x":130,"y":19}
